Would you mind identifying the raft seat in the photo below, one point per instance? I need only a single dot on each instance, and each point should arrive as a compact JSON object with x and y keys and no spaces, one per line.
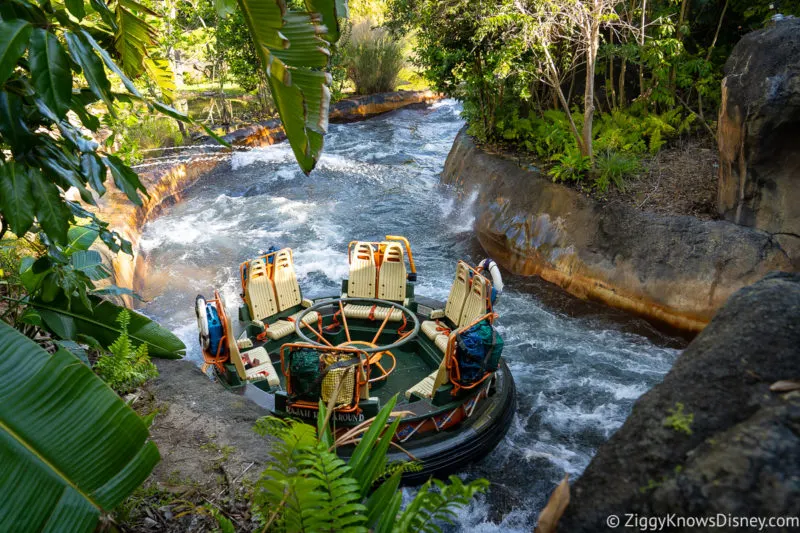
{"x":281,"y":328}
{"x":361,"y":283}
{"x":379,"y":313}
{"x":475,"y":306}
{"x":260,"y":291}
{"x":455,"y":302}
{"x":265,"y":368}
{"x":424,"y":388}
{"x":430,"y":384}
{"x":392,"y":274}
{"x":287,"y":290}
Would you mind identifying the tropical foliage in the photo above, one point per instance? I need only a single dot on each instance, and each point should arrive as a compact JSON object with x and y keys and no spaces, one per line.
{"x":539,"y":75}
{"x":58,"y":474}
{"x":125,"y":367}
{"x":307,"y":487}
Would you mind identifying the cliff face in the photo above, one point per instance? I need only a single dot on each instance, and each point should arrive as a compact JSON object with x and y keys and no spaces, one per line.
{"x":675,"y":270}
{"x":759,"y":132}
{"x":165,"y":185}
{"x":735,"y":448}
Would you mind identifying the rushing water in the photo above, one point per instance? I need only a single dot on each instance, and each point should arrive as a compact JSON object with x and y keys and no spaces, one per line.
{"x":578,"y":366}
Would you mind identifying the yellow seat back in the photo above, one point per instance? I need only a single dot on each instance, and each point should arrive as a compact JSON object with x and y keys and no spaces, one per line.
{"x":476,"y":305}
{"x":260,"y":291}
{"x":286,"y":287}
{"x":392,"y":276}
{"x":361,"y":283}
{"x":458,"y":294}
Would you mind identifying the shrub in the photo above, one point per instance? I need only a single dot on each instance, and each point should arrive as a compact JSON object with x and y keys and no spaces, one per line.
{"x":570,"y":166}
{"x":125,"y":367}
{"x":614,"y":167}
{"x":374,"y":58}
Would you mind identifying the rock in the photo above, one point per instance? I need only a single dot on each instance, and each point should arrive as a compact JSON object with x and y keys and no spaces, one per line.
{"x":676,"y":270}
{"x":759,"y":132}
{"x":742,"y":456}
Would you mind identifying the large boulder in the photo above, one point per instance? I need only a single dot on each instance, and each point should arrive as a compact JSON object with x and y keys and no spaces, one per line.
{"x":712,"y":439}
{"x":759,"y":133}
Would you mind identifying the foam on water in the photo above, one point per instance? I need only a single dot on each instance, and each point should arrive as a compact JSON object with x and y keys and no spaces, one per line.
{"x":577,"y":376}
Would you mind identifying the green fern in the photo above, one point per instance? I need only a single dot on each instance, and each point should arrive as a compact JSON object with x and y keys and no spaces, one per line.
{"x":308,"y":488}
{"x":125,"y":367}
{"x":432,"y":507}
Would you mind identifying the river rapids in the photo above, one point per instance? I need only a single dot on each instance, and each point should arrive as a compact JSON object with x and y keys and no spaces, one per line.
{"x":578,"y":366}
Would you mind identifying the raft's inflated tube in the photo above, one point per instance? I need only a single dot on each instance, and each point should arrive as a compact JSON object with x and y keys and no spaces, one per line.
{"x":488,"y":265}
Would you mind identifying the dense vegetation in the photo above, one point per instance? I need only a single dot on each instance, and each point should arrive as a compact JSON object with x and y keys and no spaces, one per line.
{"x":590,"y":86}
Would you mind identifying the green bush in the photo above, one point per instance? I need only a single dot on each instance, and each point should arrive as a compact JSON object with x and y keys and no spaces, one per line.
{"x":125,"y":367}
{"x":570,"y":166}
{"x":614,"y":167}
{"x":374,"y":58}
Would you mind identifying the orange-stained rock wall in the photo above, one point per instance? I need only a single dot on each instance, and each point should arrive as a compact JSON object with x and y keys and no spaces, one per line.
{"x":672,"y":270}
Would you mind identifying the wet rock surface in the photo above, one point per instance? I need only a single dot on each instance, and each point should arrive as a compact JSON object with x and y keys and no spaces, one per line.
{"x":734,"y":449}
{"x":674,"y":270}
{"x":759,"y":132}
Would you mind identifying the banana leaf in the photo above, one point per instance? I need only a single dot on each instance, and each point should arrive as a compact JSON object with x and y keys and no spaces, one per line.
{"x":69,"y":446}
{"x":70,"y":319}
{"x":292,"y":48}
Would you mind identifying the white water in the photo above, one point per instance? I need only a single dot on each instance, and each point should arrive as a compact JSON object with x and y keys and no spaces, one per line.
{"x":578,"y":367}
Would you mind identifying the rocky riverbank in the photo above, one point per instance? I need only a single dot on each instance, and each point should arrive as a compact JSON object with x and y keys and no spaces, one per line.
{"x":673,"y":270}
{"x":720,"y":436}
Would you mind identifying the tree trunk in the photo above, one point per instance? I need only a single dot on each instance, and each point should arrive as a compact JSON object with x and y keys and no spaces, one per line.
{"x":593,"y":42}
{"x":623,"y":98}
{"x":556,"y":84}
{"x":611,"y":76}
{"x":641,"y":46}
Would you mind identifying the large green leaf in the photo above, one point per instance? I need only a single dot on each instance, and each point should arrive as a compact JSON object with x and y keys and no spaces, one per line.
{"x":292,"y":50}
{"x":14,"y":35}
{"x":69,"y":319}
{"x":69,"y":446}
{"x":80,"y":238}
{"x":90,"y":262}
{"x":51,"y":211}
{"x":126,"y":179}
{"x":160,"y":72}
{"x":16,"y":200}
{"x":91,"y":66}
{"x":50,"y":71}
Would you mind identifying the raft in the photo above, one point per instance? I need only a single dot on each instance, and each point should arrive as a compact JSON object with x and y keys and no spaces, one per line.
{"x":358,"y":349}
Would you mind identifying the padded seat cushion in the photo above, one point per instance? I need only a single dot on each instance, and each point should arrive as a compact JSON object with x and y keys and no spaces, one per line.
{"x":441,"y":342}
{"x":363,"y":311}
{"x":281,"y":328}
{"x":265,"y":368}
{"x":432,"y":329}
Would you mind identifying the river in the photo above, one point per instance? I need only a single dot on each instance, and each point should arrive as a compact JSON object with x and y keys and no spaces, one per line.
{"x":578,"y":366}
